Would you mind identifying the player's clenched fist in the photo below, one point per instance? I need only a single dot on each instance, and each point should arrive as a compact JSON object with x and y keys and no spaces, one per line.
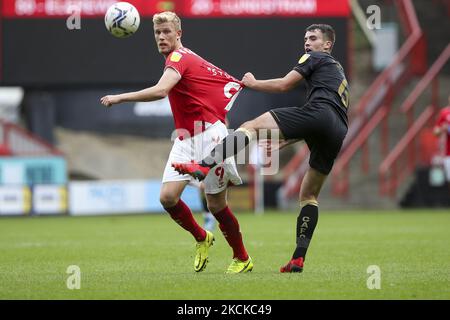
{"x":108,"y":101}
{"x":248,"y":80}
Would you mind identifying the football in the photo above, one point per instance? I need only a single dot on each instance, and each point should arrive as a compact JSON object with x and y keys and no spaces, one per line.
{"x":122,"y":19}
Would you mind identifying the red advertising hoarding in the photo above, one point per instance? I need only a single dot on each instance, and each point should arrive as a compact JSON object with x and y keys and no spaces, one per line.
{"x":190,"y":8}
{"x":266,"y":8}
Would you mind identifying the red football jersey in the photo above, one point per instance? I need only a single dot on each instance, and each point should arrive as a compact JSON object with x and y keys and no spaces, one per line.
{"x":203,"y":94}
{"x":444,"y":117}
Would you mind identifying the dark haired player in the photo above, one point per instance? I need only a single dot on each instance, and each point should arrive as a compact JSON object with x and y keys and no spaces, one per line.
{"x":321,"y":122}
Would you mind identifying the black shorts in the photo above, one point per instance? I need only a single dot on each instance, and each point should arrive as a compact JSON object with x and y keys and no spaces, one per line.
{"x":320,"y":126}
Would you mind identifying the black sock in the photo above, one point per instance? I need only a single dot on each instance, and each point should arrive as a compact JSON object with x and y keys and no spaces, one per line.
{"x":306,"y":223}
{"x":230,"y":146}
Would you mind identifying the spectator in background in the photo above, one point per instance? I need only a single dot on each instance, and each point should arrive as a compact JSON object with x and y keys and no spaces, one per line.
{"x":442,"y":129}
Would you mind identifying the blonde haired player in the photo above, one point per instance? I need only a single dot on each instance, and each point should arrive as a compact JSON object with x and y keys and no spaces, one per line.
{"x":200,"y":95}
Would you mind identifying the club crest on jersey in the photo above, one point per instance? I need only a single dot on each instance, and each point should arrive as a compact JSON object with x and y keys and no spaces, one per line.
{"x":303,"y":58}
{"x":175,"y":57}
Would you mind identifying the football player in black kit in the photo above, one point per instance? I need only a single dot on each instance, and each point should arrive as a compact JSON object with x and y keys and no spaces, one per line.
{"x":322,"y":123}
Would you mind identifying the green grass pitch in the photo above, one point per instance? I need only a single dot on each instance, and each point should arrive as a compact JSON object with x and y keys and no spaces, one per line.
{"x":151,"y":257}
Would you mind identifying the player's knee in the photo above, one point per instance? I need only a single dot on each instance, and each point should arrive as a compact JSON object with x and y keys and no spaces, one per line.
{"x":168,"y":200}
{"x":249,"y":125}
{"x":251,"y":129}
{"x":215,"y":207}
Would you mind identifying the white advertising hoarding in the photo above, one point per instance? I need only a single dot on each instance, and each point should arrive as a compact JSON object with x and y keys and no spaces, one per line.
{"x":106,"y":197}
{"x":117,"y":197}
{"x":15,"y":200}
{"x":49,"y":199}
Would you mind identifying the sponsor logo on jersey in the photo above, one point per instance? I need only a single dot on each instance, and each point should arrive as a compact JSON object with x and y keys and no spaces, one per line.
{"x":175,"y":57}
{"x":303,"y":58}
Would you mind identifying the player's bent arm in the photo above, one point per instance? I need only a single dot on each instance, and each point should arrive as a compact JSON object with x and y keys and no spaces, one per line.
{"x":159,"y":91}
{"x":279,"y":85}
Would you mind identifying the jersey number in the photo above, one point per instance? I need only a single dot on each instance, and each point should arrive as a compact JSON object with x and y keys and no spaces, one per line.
{"x":231,"y":86}
{"x":219,"y":172}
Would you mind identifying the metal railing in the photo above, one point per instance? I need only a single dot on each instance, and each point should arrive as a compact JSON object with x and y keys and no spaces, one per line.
{"x":402,"y":160}
{"x":374,"y":107}
{"x":22,"y":143}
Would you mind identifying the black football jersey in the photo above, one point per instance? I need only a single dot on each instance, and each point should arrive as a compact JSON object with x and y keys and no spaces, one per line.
{"x":326,"y":81}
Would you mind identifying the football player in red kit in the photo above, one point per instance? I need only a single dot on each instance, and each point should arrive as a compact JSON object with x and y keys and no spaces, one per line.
{"x":442,"y":128}
{"x":200,"y":95}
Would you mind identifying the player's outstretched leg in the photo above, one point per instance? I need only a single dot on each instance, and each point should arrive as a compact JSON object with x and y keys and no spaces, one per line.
{"x":230,"y":146}
{"x":192,"y":168}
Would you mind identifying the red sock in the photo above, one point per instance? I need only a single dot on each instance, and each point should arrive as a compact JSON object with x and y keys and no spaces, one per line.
{"x":230,"y":229}
{"x":183,"y":216}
